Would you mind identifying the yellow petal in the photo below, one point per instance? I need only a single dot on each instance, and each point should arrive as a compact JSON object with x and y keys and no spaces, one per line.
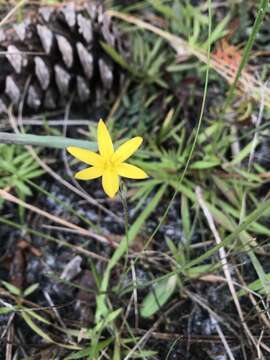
{"x":86,"y":156}
{"x":89,"y":173}
{"x":105,"y":144}
{"x":127,"y":149}
{"x":131,"y":171}
{"x":110,"y":182}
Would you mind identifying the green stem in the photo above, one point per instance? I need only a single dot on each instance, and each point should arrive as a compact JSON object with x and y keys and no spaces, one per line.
{"x":123,"y":197}
{"x":102,"y":309}
{"x":199,"y":124}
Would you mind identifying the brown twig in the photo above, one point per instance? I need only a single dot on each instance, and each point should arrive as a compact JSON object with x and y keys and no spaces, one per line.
{"x":81,"y":231}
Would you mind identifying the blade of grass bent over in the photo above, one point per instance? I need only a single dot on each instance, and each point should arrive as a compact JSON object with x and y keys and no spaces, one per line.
{"x":58,"y":142}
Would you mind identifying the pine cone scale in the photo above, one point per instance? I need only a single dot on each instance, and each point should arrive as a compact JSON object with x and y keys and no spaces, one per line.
{"x":74,"y":62}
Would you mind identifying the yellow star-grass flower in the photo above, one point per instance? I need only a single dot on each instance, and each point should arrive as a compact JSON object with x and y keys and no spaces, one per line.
{"x":108,"y":163}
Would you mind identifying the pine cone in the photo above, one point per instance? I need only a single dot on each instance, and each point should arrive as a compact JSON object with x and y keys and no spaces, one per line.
{"x":56,"y":53}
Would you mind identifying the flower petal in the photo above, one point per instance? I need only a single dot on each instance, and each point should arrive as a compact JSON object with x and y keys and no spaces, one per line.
{"x":110,"y":182}
{"x":127,"y":149}
{"x":89,"y":173}
{"x":86,"y":156}
{"x":105,"y":144}
{"x":131,"y":171}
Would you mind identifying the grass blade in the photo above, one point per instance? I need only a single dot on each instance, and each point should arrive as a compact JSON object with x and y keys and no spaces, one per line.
{"x":57,"y":142}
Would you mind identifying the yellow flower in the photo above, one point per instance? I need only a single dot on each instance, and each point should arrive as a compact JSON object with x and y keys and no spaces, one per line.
{"x":108,"y":163}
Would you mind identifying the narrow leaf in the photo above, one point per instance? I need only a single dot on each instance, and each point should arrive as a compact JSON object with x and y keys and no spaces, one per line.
{"x":158,"y":296}
{"x":48,"y":141}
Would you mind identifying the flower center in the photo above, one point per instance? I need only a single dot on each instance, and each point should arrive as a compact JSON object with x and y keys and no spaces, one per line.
{"x":109,"y":164}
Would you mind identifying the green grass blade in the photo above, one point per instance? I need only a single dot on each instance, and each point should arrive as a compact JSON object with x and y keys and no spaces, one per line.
{"x":57,"y":142}
{"x":258,"y":21}
{"x":256,"y":214}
